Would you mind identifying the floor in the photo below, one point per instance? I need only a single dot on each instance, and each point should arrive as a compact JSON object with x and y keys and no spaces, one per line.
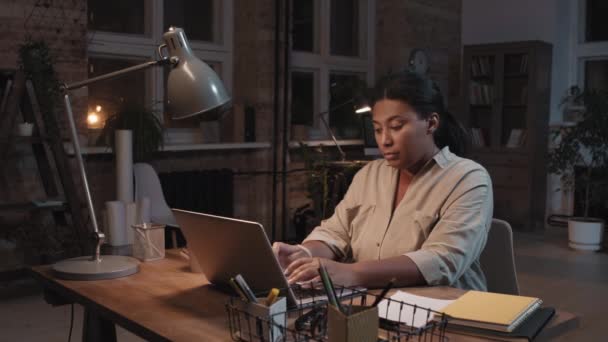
{"x":572,"y":281}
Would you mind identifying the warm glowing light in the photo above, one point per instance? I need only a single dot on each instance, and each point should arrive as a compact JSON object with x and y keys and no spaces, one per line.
{"x":93,"y":119}
{"x":363,"y":110}
{"x":98,"y":109}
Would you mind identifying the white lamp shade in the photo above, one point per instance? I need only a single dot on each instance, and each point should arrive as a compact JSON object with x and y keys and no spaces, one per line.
{"x":192,"y":87}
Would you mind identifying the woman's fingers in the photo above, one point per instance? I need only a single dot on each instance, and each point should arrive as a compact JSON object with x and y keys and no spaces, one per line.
{"x":310,"y":284}
{"x":303,"y":270}
{"x":295,"y":265}
{"x":286,"y":253}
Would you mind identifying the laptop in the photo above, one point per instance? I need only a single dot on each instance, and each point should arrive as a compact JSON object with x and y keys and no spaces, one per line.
{"x":225,"y":247}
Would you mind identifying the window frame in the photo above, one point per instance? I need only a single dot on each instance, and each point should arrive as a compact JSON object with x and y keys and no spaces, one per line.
{"x":584,"y":51}
{"x":323,"y":63}
{"x":128,"y":46}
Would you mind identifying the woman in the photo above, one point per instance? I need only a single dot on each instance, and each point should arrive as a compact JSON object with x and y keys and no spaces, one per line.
{"x":420,"y":215}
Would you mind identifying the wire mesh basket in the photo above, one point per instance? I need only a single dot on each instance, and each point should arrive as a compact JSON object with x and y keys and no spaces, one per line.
{"x":257,"y":322}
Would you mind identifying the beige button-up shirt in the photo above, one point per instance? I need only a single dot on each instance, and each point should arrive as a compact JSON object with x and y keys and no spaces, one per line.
{"x":442,"y":222}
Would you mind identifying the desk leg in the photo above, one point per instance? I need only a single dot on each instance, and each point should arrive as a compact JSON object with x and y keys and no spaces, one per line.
{"x":95,"y":328}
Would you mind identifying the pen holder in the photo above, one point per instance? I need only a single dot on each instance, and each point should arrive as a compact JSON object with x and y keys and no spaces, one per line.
{"x":259,"y":322}
{"x":361,"y":325}
{"x":149,"y":241}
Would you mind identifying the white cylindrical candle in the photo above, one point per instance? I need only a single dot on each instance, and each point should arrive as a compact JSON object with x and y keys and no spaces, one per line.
{"x":124,"y":165}
{"x":116,"y":223}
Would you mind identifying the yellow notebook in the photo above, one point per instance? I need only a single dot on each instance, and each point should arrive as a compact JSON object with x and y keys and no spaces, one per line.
{"x":494,"y":311}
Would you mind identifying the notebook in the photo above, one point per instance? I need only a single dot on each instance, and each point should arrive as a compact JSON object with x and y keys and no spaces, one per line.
{"x":225,"y":247}
{"x":493,"y":311}
{"x":526,"y":331}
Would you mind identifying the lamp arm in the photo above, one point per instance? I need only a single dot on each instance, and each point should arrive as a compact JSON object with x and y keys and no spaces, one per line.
{"x":120,"y":72}
{"x":97,"y":236}
{"x":333,"y":137}
{"x":331,"y":132}
{"x":339,"y":105}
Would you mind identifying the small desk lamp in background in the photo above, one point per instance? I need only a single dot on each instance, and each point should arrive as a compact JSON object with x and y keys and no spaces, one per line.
{"x":192,"y":88}
{"x":360,"y":105}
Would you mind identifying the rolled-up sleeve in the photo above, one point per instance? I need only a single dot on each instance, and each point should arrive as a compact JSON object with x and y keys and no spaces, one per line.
{"x":459,"y":236}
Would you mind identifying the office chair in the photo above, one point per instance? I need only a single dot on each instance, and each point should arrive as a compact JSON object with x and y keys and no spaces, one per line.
{"x":497,"y":259}
{"x":148,"y":185}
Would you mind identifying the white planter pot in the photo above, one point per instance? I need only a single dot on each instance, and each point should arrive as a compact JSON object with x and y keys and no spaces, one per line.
{"x":25,"y":129}
{"x":585,"y":234}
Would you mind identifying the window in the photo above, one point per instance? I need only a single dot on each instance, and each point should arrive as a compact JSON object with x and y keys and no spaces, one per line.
{"x":122,"y":35}
{"x":332,"y":56}
{"x":117,"y":16}
{"x":596,"y":27}
{"x":108,"y":97}
{"x":345,"y":24}
{"x":591,"y":46}
{"x":304,"y":26}
{"x":342,"y":118}
{"x":302,"y":102}
{"x":596,"y":74}
{"x":197,"y":18}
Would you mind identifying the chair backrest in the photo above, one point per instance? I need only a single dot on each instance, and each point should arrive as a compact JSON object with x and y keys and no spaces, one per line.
{"x":497,"y":260}
{"x":148,"y":185}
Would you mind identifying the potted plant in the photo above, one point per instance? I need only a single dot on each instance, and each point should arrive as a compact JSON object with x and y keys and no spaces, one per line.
{"x":145,"y":125}
{"x":584,"y":144}
{"x":326,"y":180}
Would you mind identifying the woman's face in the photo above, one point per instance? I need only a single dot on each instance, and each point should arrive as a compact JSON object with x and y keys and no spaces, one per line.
{"x":404,"y":139}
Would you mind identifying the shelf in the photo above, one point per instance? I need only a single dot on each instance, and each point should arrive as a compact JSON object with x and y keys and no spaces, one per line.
{"x":330,"y":143}
{"x":501,"y":149}
{"x":18,"y":139}
{"x":482,"y":77}
{"x":517,"y":75}
{"x":33,"y":205}
{"x":179,"y":147}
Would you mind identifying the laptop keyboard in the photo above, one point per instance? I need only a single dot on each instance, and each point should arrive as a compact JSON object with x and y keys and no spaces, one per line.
{"x":301,"y":292}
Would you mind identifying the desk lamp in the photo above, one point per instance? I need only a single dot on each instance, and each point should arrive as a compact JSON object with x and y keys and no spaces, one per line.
{"x":360,"y":106}
{"x":192,"y":88}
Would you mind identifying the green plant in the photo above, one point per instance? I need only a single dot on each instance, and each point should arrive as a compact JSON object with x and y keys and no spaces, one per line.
{"x":584,"y":144}
{"x":145,"y":125}
{"x":36,"y":61}
{"x":327,"y":180}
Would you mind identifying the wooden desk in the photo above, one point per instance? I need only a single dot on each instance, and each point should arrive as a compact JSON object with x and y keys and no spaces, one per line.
{"x":166,"y":302}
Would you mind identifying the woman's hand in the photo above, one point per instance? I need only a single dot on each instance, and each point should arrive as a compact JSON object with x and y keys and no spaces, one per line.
{"x":307,"y":270}
{"x":286,"y":254}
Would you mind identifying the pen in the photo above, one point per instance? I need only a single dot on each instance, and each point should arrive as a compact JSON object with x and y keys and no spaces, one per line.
{"x":272,"y":296}
{"x":246,"y":289}
{"x":238,"y":289}
{"x":329,"y":288}
{"x":333,"y":290}
{"x":384,"y":292}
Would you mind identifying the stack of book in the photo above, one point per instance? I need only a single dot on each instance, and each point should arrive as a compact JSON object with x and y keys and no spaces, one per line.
{"x":497,"y":316}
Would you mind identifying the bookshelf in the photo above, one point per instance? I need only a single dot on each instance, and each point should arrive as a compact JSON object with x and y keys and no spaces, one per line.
{"x":506,"y":88}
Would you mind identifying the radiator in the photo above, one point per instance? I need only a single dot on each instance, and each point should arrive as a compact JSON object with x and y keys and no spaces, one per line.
{"x":206,"y":191}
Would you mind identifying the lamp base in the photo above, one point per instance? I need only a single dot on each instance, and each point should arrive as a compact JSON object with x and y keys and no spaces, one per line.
{"x":83,"y":268}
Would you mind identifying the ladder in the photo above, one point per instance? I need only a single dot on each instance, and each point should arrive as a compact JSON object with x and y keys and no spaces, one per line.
{"x":55,"y":174}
